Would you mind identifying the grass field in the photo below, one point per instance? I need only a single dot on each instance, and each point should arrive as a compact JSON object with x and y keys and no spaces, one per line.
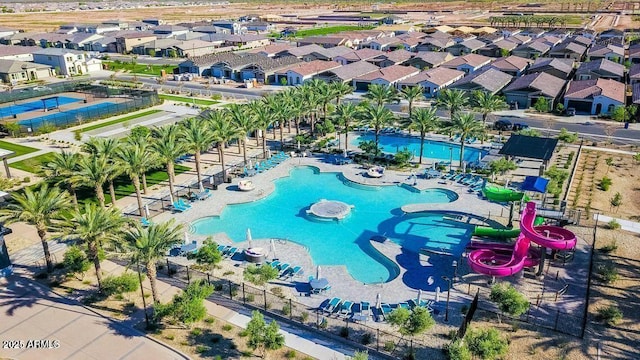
{"x":142,"y":69}
{"x":188,"y":100}
{"x":117,"y":121}
{"x":17,"y":149}
{"x":329,"y":30}
{"x":34,"y":164}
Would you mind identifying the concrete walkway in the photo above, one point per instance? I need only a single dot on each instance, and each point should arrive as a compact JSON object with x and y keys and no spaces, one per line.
{"x":624,"y":224}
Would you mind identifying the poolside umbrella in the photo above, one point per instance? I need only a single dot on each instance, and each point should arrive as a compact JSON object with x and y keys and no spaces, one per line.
{"x":146,"y":209}
{"x":378,"y":301}
{"x":249,"y":239}
{"x":273,"y":249}
{"x":200,"y":186}
{"x":419,"y":300}
{"x":186,"y":237}
{"x":318,"y":272}
{"x":437,"y":293}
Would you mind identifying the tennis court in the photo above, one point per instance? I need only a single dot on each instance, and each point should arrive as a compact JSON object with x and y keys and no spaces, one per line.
{"x":10,"y":111}
{"x":69,"y":117}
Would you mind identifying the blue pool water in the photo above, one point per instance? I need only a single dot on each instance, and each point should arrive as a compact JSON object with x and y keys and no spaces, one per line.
{"x":35,"y":105}
{"x":67,"y":117}
{"x":346,"y":242}
{"x":432,"y":149}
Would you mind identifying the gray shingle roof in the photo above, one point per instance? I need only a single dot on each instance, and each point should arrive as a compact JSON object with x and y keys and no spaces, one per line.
{"x":588,"y":89}
{"x":601,"y":65}
{"x":564,"y":65}
{"x":538,"y":83}
{"x":438,"y":76}
{"x":353,"y":70}
{"x":511,"y":63}
{"x":489,"y":79}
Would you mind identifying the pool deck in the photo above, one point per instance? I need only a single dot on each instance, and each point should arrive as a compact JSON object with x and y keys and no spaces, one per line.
{"x":342,"y":283}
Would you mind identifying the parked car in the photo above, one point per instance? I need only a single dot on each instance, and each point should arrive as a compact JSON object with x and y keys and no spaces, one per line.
{"x":571,"y":112}
{"x":502,"y":125}
{"x":519,"y":126}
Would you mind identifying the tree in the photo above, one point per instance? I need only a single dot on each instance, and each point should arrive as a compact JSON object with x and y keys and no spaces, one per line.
{"x":168,"y":146}
{"x":501,"y":166}
{"x":260,"y":275}
{"x":94,"y":171}
{"x":134,"y":161}
{"x":149,"y":244}
{"x":624,"y":113}
{"x":263,"y":119}
{"x":222,"y":131}
{"x":530,"y":132}
{"x":567,"y":137}
{"x":423,"y":120}
{"x":381,"y":94}
{"x":457,"y":350}
{"x":61,"y":169}
{"x":208,"y":255}
{"x":541,"y":105}
{"x":345,"y":115}
{"x":411,"y":322}
{"x":508,"y":299}
{"x":377,"y":117}
{"x":94,"y":226}
{"x":107,"y":148}
{"x":340,"y":90}
{"x":198,"y":138}
{"x":466,"y":126}
{"x":42,"y":208}
{"x":187,"y":307}
{"x":360,"y":355}
{"x":636,"y":157}
{"x":261,"y":336}
{"x":411,"y":94}
{"x":13,"y":128}
{"x":616,"y":201}
{"x":487,"y":343}
{"x":486,"y":103}
{"x":370,"y":148}
{"x":452,"y":100}
{"x":243,"y":124}
{"x":75,"y":261}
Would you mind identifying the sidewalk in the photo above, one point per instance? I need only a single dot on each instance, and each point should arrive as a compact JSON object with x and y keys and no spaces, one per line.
{"x":577,"y":119}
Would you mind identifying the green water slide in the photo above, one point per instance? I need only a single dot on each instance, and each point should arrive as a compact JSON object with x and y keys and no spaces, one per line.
{"x":502,"y":233}
{"x":500,"y":194}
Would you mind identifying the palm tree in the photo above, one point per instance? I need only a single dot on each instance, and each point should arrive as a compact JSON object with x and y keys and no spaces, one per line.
{"x":381,"y":94}
{"x":222,"y":131}
{"x":168,"y":146}
{"x":424,"y":120}
{"x":95,"y":226}
{"x":452,"y":100}
{"x":340,"y":90}
{"x":345,"y":114}
{"x":63,"y":166}
{"x":263,"y":118}
{"x":278,"y":107}
{"x":198,"y":138}
{"x":143,"y":141}
{"x":485,"y":103}
{"x":41,"y":208}
{"x":466,"y":126}
{"x":324,"y":92}
{"x":377,"y":117}
{"x":411,"y":94}
{"x":312,"y":100}
{"x":107,"y":148}
{"x":244,"y":124}
{"x":150,"y":244}
{"x":94,"y":171}
{"x":134,"y":161}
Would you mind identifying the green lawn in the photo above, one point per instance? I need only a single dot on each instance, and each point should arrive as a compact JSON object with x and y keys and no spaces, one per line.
{"x":142,"y":69}
{"x":117,"y":121}
{"x":329,"y":30}
{"x":189,"y":100}
{"x":17,"y":149}
{"x":34,"y":164}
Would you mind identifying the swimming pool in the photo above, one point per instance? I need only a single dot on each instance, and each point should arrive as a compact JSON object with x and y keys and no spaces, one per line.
{"x":68,"y":117}
{"x":432,"y":149}
{"x":282,"y":214}
{"x":35,"y":105}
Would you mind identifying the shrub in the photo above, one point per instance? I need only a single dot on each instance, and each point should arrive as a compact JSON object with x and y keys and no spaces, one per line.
{"x":344,"y":332}
{"x":201,"y":349}
{"x":125,"y":283}
{"x":609,"y":315}
{"x":613,"y":224}
{"x":509,"y":300}
{"x":286,"y":309}
{"x":366,"y":338}
{"x":260,"y":275}
{"x":227,"y":327}
{"x":170,"y":337}
{"x":605,"y":183}
{"x":607,"y":273}
{"x":291,"y":354}
{"x":457,"y":350}
{"x":250,"y":298}
{"x":196,"y":332}
{"x":389,"y":346}
{"x":609,"y":248}
{"x":243,"y":333}
{"x":26,"y":179}
{"x":75,"y":260}
{"x":487,"y":343}
{"x":304,"y":316}
{"x":210,"y":320}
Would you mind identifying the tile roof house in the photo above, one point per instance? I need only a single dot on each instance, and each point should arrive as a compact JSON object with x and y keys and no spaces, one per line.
{"x":431,"y":43}
{"x":16,"y":52}
{"x":201,"y":65}
{"x":635,"y":98}
{"x":327,"y":54}
{"x":533,"y":33}
{"x":433,"y":80}
{"x":526,"y":90}
{"x":468,"y":63}
{"x":14,"y":71}
{"x":519,"y":39}
{"x":582,"y":40}
{"x":158,"y":47}
{"x":610,"y":52}
{"x":298,"y":74}
{"x":195,"y":47}
{"x":326,"y":41}
{"x":466,"y":47}
{"x":126,"y":41}
{"x":532,"y":50}
{"x":357,"y":56}
{"x":488,"y":79}
{"x":568,"y":50}
{"x":347,"y":73}
{"x":602,"y":68}
{"x":67,"y":62}
{"x":594,"y":97}
{"x":634,"y":73}
{"x":272,"y":50}
{"x":24,"y":39}
{"x":167,"y":31}
{"x":384,"y":76}
{"x":428,"y":59}
{"x":512,"y":65}
{"x":491,"y":38}
{"x":384,"y":44}
{"x":634,"y":53}
{"x":301,"y":51}
{"x":562,"y":68}
{"x":497,"y":49}
{"x":251,"y":66}
{"x":551,"y":40}
{"x":392,"y":58}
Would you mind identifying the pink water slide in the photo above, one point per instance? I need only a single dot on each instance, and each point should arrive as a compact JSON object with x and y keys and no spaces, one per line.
{"x":498,"y":260}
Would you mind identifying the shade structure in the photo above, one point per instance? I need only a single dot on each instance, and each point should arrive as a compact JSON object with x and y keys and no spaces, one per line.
{"x":318,"y":272}
{"x":249,"y":239}
{"x":535,"y":183}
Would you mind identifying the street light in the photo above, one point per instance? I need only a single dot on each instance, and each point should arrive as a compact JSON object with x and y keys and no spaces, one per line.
{"x":450,"y":158}
{"x":446,"y":311}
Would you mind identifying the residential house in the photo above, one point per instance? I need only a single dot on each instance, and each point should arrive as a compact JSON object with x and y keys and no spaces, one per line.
{"x":634,"y":53}
{"x":201,"y":65}
{"x":488,"y":79}
{"x":525,"y":91}
{"x":384,"y":44}
{"x":98,"y":28}
{"x":459,"y":37}
{"x":610,"y":52}
{"x":67,"y":29}
{"x":191,"y":48}
{"x":562,"y":68}
{"x":259,"y":26}
{"x":433,"y":80}
{"x":245,"y":41}
{"x":104,"y":44}
{"x":14,"y":71}
{"x":582,"y":40}
{"x":568,"y":50}
{"x":82,"y":41}
{"x":498,"y":49}
{"x":67,"y":62}
{"x":392,"y":58}
{"x":533,"y":33}
{"x":120,"y":24}
{"x":152,"y":21}
{"x":558,"y":33}
{"x":326,"y":41}
{"x":126,"y":42}
{"x":264,"y":69}
{"x":298,"y":74}
{"x":634,"y":73}
{"x":602,"y":68}
{"x":20,"y":53}
{"x":613,"y":34}
{"x":388,"y":76}
{"x":510,"y":31}
{"x":491,"y":38}
{"x":428,"y":59}
{"x":392,"y":20}
{"x":233,"y":27}
{"x":594,"y":97}
{"x":532,"y":50}
{"x":4,"y":31}
{"x":158,"y":47}
{"x":357,"y":56}
{"x":210,"y":29}
{"x":273,"y":50}
{"x":466,"y":47}
{"x":327,"y":54}
{"x":398,"y":29}
{"x":635,"y":98}
{"x":512,"y":65}
{"x":519,"y":39}
{"x":485,"y":30}
{"x":551,"y":40}
{"x":468,"y":63}
{"x":431,"y":43}
{"x":347,"y":73}
{"x":169,"y":31}
{"x":54,"y":40}
{"x":302,"y":51}
{"x":22,"y":39}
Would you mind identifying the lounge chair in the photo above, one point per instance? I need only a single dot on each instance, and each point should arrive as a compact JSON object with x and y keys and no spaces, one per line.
{"x":223,"y":248}
{"x":403,"y":305}
{"x":203,"y":195}
{"x":311,"y":277}
{"x":275,"y":264}
{"x":346,"y":307}
{"x":365,"y":308}
{"x":178,"y":207}
{"x":145,"y":222}
{"x":182,"y":203}
{"x":284,"y":267}
{"x":332,"y":305}
{"x":325,"y":289}
{"x":293,"y":271}
{"x":385,"y":309}
{"x":229,"y":253}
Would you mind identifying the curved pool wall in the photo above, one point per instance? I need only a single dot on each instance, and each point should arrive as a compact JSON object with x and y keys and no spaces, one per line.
{"x":282,"y":214}
{"x":432,"y":149}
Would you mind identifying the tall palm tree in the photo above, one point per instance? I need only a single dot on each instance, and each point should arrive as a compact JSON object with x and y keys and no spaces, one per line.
{"x":148,"y":245}
{"x":94,"y":171}
{"x":236,"y":113}
{"x":312,"y":100}
{"x":452,"y":100}
{"x":424,"y":120}
{"x":133,"y":162}
{"x":345,"y":114}
{"x":377,"y":117}
{"x":466,"y":126}
{"x":381,"y":94}
{"x":42,"y":208}
{"x":95,"y":226}
{"x":168,"y":146}
{"x":62,"y":168}
{"x":143,"y":141}
{"x":340,"y":90}
{"x":485,"y":103}
{"x":279,"y":108}
{"x":411,"y":94}
{"x":222,"y":131}
{"x":263,"y":118}
{"x":198,"y":138}
{"x":107,"y":148}
{"x":325,"y":94}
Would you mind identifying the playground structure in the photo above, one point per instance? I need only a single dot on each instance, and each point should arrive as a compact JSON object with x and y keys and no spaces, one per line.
{"x":499,"y":194}
{"x":501,"y":260}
